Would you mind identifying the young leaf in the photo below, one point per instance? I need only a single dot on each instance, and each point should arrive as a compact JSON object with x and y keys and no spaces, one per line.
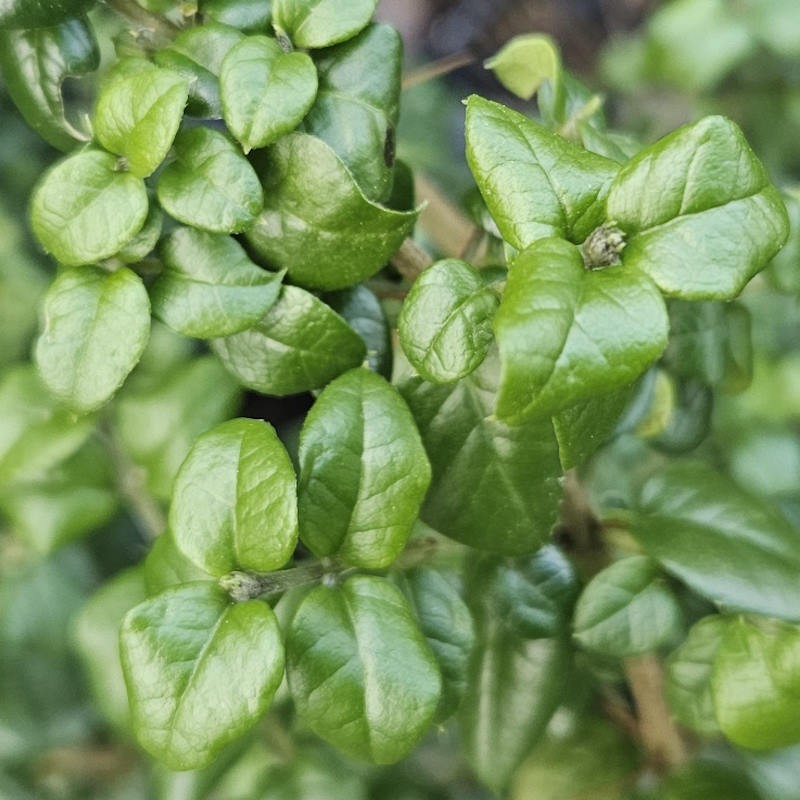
{"x":211,"y":185}
{"x":200,"y":671}
{"x":698,"y":197}
{"x":209,"y":287}
{"x":445,"y":325}
{"x":360,"y":672}
{"x":138,"y":113}
{"x":84,"y":210}
{"x":535,"y":184}
{"x":320,"y":23}
{"x":523,"y":63}
{"x":234,"y":504}
{"x":750,"y":556}
{"x":301,"y":344}
{"x":327,"y":245}
{"x":566,"y":333}
{"x":626,"y":611}
{"x":96,"y":326}
{"x":357,"y":105}
{"x":476,"y":458}
{"x":39,"y":13}
{"x":363,"y":472}
{"x":265,"y":92}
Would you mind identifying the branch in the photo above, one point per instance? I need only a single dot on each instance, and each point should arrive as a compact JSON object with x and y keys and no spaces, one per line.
{"x":438,"y":68}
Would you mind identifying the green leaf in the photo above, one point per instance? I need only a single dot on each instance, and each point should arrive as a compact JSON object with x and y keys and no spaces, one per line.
{"x":200,"y":671}
{"x":688,"y":676}
{"x":138,"y":113}
{"x":265,"y":92}
{"x":234,"y":503}
{"x":361,"y":674}
{"x":250,"y":16}
{"x":708,"y":779}
{"x":301,"y":344}
{"x":754,"y":683}
{"x":197,"y":55}
{"x":35,"y":63}
{"x":209,"y":287}
{"x":523,"y":63}
{"x":699,"y":212}
{"x":689,"y":503}
{"x":84,"y":210}
{"x":477,"y":459}
{"x":357,"y":105}
{"x":363,"y":472}
{"x":320,"y":23}
{"x":689,"y":421}
{"x":445,"y":326}
{"x":96,"y":326}
{"x":144,"y":242}
{"x":567,"y":334}
{"x":625,"y":610}
{"x":39,"y":13}
{"x":327,"y":245}
{"x":535,"y":184}
{"x":211,"y":185}
{"x":166,"y":567}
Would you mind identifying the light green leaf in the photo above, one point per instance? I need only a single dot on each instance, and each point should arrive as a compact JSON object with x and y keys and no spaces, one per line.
{"x":361,"y":674}
{"x":750,"y":556}
{"x":327,"y":245}
{"x":96,"y":326}
{"x":265,"y":92}
{"x":445,"y":326}
{"x":143,"y":243}
{"x":535,"y":184}
{"x":567,"y":334}
{"x":625,"y":610}
{"x":234,"y":504}
{"x":209,"y":287}
{"x":200,"y":671}
{"x":476,"y":458}
{"x":363,"y":472}
{"x":699,"y":212}
{"x":754,"y":683}
{"x":301,"y":344}
{"x":166,"y":567}
{"x":320,"y":23}
{"x":84,"y":210}
{"x":523,"y":63}
{"x":211,"y":185}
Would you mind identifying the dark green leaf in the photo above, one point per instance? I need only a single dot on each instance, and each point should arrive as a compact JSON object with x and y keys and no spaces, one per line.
{"x":265,"y":92}
{"x":319,"y":23}
{"x":209,"y":287}
{"x":39,"y":13}
{"x":211,"y":185}
{"x":360,"y":671}
{"x":165,"y":566}
{"x":326,"y":245}
{"x":690,"y":419}
{"x":250,"y":16}
{"x":697,"y":339}
{"x":363,"y":472}
{"x":200,"y":671}
{"x":84,"y":210}
{"x":299,"y":345}
{"x":234,"y":504}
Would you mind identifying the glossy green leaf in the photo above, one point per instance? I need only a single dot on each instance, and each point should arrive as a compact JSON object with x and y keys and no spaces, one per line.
{"x":301,"y":344}
{"x":523,"y":63}
{"x":234,"y":504}
{"x":138,"y":113}
{"x":361,"y":674}
{"x":35,"y":63}
{"x":476,"y":459}
{"x":250,"y":16}
{"x":96,"y":326}
{"x":445,"y":326}
{"x":326,"y":245}
{"x":567,"y":334}
{"x":39,"y":13}
{"x":726,"y":545}
{"x":211,"y":185}
{"x":356,"y":109}
{"x":754,"y":683}
{"x":699,"y":212}
{"x":84,"y":210}
{"x":209,"y":287}
{"x":535,"y":184}
{"x":320,"y":23}
{"x":625,"y":610}
{"x":363,"y":472}
{"x":688,"y":676}
{"x":265,"y":92}
{"x":166,"y":566}
{"x":200,"y":671}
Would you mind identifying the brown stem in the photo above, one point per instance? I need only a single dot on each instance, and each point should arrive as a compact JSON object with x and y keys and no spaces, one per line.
{"x":438,"y":68}
{"x":410,"y":260}
{"x":443,"y":221}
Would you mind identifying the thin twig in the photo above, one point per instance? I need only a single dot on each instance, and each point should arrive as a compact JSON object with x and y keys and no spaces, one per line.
{"x":410,"y":260}
{"x":438,"y":68}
